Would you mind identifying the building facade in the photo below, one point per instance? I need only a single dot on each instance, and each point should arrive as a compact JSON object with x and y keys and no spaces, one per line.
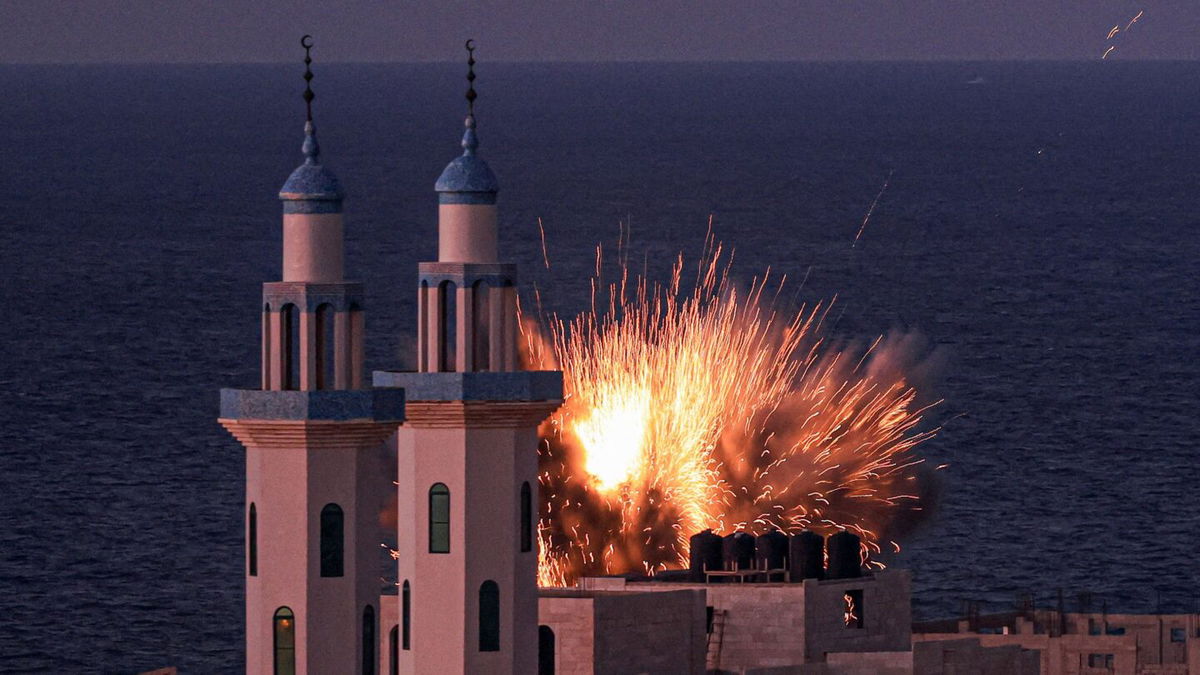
{"x":312,"y":435}
{"x":467,"y":452}
{"x":1084,"y":642}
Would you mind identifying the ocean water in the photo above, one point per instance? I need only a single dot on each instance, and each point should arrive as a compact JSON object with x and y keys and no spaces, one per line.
{"x":1039,"y":230}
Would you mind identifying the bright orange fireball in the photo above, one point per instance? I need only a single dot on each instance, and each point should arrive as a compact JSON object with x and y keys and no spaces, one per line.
{"x":704,"y":408}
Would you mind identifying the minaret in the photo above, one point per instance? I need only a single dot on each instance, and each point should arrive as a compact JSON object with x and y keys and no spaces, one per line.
{"x":467,"y":452}
{"x":312,"y":435}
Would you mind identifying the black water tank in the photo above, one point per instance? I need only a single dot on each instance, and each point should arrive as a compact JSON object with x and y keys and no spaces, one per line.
{"x":806,"y":556}
{"x":771,"y":552}
{"x":845,"y":557}
{"x":707,"y":552}
{"x":738,"y":549}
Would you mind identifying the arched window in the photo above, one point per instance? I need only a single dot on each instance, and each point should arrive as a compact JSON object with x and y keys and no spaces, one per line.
{"x":290,"y":349}
{"x":480,"y":322}
{"x":267,"y":364}
{"x":252,"y":541}
{"x":448,"y":350}
{"x":405,"y":616}
{"x":285,"y":641}
{"x":545,"y":650}
{"x":439,"y":518}
{"x":526,"y":517}
{"x":394,"y":651}
{"x":325,"y":347}
{"x":489,"y":617}
{"x":423,"y":342}
{"x":368,"y":641}
{"x":331,"y":540}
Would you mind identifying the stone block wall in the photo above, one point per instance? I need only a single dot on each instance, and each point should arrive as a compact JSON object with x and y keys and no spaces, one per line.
{"x":571,"y":617}
{"x":653,"y":633}
{"x":885,"y":608}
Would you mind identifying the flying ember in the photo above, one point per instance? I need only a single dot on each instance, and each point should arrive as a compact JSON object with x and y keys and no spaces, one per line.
{"x":708,"y":406}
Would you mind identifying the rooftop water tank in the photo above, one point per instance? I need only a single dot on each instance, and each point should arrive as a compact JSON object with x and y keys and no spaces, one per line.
{"x":806,"y":556}
{"x":707,"y":553}
{"x":771,"y":553}
{"x":738,"y":549}
{"x":845,"y":556}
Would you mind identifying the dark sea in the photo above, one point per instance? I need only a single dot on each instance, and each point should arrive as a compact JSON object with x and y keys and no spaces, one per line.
{"x":1039,"y":230}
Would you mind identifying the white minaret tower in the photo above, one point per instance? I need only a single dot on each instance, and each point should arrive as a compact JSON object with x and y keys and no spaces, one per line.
{"x":314,"y":476}
{"x":467,"y":452}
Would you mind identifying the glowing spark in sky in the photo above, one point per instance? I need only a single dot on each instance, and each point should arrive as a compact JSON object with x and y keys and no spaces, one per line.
{"x":1117,"y":30}
{"x":872,"y":209}
{"x":1134,"y":19}
{"x":545,"y":256}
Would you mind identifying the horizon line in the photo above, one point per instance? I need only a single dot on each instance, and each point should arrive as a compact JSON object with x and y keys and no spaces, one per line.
{"x":1078,"y":59}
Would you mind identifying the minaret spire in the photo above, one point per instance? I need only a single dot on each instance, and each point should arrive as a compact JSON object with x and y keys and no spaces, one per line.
{"x":468,"y":179}
{"x":311,"y":188}
{"x":471,"y":77}
{"x":310,"y":148}
{"x":306,"y":42}
{"x":470,"y":141}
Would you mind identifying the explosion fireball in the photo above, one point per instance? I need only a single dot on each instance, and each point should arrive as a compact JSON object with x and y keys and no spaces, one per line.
{"x":707,"y":407}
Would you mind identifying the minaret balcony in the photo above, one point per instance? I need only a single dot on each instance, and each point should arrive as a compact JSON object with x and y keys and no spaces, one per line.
{"x":521,"y":385}
{"x":376,"y":405}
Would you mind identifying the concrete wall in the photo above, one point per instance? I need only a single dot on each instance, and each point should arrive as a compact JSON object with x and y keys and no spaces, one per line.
{"x":954,"y":657}
{"x":289,"y":487}
{"x":571,"y":617}
{"x":869,"y":663}
{"x":757,"y":625}
{"x":618,"y":633}
{"x":483,"y":467}
{"x":659,"y":633}
{"x":389,"y":618}
{"x":886,"y":611}
{"x":1145,"y":647}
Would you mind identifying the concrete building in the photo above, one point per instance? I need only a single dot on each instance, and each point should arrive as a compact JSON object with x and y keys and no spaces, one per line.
{"x":467,"y":452}
{"x":770,"y":625}
{"x":312,"y":434}
{"x":1083,"y":642}
{"x":583,"y":631}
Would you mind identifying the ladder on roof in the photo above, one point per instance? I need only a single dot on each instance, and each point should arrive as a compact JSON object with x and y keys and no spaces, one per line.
{"x":716,"y":637}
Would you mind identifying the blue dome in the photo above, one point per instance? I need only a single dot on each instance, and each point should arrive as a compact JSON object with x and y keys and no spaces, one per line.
{"x":311,"y":188}
{"x":467,"y":179}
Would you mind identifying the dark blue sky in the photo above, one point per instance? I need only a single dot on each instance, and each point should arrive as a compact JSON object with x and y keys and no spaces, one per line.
{"x":594,"y":30}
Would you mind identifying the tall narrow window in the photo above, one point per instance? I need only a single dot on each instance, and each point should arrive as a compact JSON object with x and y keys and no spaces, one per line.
{"x":545,"y":650}
{"x":290,"y":349}
{"x":489,"y":617}
{"x":326,"y":357}
{"x":405,"y":616}
{"x":526,"y":517}
{"x":394,"y":651}
{"x":423,"y":327}
{"x":368,"y":641}
{"x":267,"y":365}
{"x":252,"y":541}
{"x":448,"y":354}
{"x":331,"y":540}
{"x":480,"y":319}
{"x":439,"y":518}
{"x":285,"y":641}
{"x":853,"y":611}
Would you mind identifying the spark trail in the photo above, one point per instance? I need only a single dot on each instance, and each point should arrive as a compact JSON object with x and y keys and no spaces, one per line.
{"x":706,"y":406}
{"x":872,"y":208}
